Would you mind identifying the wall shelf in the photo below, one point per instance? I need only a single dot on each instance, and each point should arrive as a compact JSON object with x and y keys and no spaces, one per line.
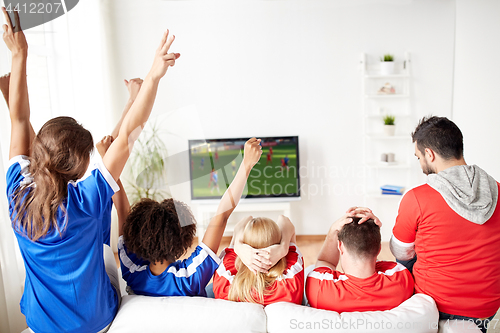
{"x":376,"y":143}
{"x":375,"y":195}
{"x":380,"y":76}
{"x":387,"y":137}
{"x":379,"y":116}
{"x":387,"y":96}
{"x":380,"y":165}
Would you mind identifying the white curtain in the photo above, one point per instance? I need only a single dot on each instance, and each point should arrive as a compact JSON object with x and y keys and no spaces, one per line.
{"x":12,"y":269}
{"x":68,"y":67}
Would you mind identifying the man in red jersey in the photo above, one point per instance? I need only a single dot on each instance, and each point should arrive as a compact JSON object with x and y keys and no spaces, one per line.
{"x":449,"y":228}
{"x":366,"y":284}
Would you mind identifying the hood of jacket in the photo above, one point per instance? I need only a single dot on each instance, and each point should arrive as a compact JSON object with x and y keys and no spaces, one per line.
{"x":468,"y":190}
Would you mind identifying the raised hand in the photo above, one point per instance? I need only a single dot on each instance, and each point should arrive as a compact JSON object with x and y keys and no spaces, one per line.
{"x":4,"y":87}
{"x":103,"y":145}
{"x":14,"y":36}
{"x":337,"y":225}
{"x":133,"y":87}
{"x":163,"y":59}
{"x":252,"y":152}
{"x":364,"y":213}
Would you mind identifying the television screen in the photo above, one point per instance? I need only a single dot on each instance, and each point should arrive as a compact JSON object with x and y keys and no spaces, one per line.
{"x":214,"y":164}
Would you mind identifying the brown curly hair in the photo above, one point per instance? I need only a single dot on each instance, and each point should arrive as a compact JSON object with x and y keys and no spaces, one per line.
{"x":159,"y":231}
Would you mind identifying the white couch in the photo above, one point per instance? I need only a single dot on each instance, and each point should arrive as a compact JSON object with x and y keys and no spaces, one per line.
{"x":198,"y":314}
{"x":418,"y":314}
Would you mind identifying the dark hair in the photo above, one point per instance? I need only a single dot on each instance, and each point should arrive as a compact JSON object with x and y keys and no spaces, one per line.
{"x":362,"y":240}
{"x":159,"y":231}
{"x":60,"y":153}
{"x":441,"y":135}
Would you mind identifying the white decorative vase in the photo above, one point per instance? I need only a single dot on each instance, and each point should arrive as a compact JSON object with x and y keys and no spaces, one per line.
{"x":389,"y":130}
{"x":387,"y":67}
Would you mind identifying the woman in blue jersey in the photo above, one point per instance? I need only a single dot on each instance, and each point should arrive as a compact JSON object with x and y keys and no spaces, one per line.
{"x":57,"y":208}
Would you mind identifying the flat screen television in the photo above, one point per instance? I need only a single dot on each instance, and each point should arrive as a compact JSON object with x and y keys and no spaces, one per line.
{"x":214,"y":163}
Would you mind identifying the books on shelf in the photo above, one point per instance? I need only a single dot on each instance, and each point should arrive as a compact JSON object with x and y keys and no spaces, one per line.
{"x":392,"y":189}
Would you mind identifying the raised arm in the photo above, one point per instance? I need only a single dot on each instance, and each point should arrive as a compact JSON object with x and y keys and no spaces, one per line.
{"x":133,"y":87}
{"x":120,"y":199}
{"x":134,"y":121}
{"x":5,"y":87}
{"x":21,"y":129}
{"x":231,"y":197}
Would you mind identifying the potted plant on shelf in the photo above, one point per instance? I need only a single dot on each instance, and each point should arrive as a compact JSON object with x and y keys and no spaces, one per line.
{"x":389,"y":125}
{"x":387,"y":64}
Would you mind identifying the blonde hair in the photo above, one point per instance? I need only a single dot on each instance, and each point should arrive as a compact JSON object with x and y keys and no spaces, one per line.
{"x":260,"y":232}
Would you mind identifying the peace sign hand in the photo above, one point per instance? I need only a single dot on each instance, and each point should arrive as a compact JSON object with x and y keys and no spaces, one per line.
{"x":14,"y":36}
{"x":163,"y":59}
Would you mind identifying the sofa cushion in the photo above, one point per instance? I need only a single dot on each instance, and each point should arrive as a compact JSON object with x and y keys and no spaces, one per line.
{"x":418,"y":314}
{"x":187,"y":314}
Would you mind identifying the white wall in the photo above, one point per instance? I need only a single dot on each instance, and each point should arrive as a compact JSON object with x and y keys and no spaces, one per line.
{"x":267,"y":68}
{"x":476,"y":99}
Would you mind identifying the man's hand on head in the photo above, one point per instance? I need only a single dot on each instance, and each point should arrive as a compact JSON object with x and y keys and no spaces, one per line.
{"x":364,"y":213}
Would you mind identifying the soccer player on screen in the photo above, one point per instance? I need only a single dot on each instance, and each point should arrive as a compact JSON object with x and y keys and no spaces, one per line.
{"x":269,"y":158}
{"x":233,"y":165}
{"x":214,"y":181}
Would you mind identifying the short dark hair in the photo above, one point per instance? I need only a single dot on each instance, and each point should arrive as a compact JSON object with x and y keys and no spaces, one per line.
{"x":441,"y":135}
{"x":159,"y":231}
{"x":362,"y":240}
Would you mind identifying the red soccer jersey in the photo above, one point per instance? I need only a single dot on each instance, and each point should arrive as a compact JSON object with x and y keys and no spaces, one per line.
{"x":457,"y":260}
{"x":287,"y":288}
{"x":332,"y":290}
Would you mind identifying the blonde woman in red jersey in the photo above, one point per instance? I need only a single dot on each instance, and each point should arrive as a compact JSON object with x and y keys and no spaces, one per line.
{"x":274,"y":271}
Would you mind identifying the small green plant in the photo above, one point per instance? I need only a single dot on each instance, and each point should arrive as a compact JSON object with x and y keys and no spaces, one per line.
{"x":389,"y":120}
{"x":387,"y":57}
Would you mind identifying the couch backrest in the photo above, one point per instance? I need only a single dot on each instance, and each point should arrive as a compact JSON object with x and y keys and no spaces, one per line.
{"x":199,"y":314}
{"x":418,"y":314}
{"x":187,"y":314}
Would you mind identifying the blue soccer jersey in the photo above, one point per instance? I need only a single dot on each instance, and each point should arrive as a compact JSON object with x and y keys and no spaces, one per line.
{"x":66,"y":287}
{"x":187,"y":277}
